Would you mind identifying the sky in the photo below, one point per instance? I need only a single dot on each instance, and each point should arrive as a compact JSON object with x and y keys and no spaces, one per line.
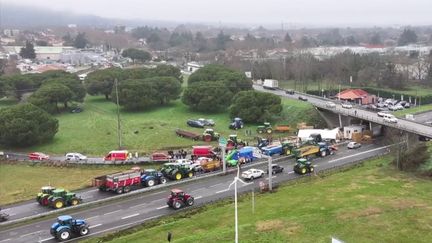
{"x":288,"y":12}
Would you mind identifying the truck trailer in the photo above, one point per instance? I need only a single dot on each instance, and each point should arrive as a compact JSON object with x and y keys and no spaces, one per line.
{"x":270,"y":84}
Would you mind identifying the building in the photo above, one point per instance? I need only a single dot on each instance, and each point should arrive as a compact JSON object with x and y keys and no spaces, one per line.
{"x":42,"y":52}
{"x":357,"y":96}
{"x":193,"y":66}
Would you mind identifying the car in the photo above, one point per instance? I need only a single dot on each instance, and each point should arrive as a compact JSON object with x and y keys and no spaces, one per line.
{"x":289,"y":91}
{"x":77,"y":110}
{"x":251,"y":174}
{"x":353,"y":145}
{"x":382,"y":113}
{"x":390,"y":119}
{"x":330,"y":104}
{"x":407,"y":105}
{"x":75,"y":157}
{"x":207,"y":122}
{"x":302,"y":98}
{"x":38,"y":156}
{"x":195,"y":123}
{"x":347,"y":105}
{"x":195,"y":165}
{"x":398,"y":107}
{"x":179,"y":199}
{"x":276,"y":169}
{"x":392,"y":108}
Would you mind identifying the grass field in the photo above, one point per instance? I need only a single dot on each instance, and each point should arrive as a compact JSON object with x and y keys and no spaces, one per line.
{"x":414,"y":110}
{"x":71,"y":178}
{"x":94,"y":131}
{"x":372,"y":203}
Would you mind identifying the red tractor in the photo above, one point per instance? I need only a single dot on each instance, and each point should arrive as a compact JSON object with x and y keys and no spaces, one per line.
{"x":179,"y":199}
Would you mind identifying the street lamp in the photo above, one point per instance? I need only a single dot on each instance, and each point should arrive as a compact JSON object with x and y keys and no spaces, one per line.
{"x":235,"y":199}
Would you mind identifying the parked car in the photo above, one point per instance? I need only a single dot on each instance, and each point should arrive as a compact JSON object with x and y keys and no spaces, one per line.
{"x":330,"y":104}
{"x":302,"y":98}
{"x":392,"y":108}
{"x":276,"y":169}
{"x":353,"y":145}
{"x":382,"y":113}
{"x":207,"y":122}
{"x":195,"y":123}
{"x":398,"y":107}
{"x":75,"y":157}
{"x":347,"y":105}
{"x":38,"y":156}
{"x":252,"y":174}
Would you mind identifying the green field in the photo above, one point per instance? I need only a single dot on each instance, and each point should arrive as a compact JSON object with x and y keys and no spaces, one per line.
{"x":23,"y":181}
{"x":94,"y":131}
{"x":414,"y":110}
{"x":372,"y":203}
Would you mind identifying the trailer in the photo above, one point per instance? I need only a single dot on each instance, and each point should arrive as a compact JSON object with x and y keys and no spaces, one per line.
{"x":118,"y":182}
{"x":282,"y":128}
{"x":245,"y":155}
{"x":270,"y":84}
{"x":187,"y":134}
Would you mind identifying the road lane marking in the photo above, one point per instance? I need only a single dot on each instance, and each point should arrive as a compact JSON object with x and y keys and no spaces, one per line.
{"x":222,"y":191}
{"x":5,"y":240}
{"x":92,"y":217}
{"x":162,"y":207}
{"x":139,"y":205}
{"x":290,"y":172}
{"x":130,"y":216}
{"x":113,"y":212}
{"x":94,"y":226}
{"x":216,"y":185}
{"x":198,"y":197}
{"x":46,"y":239}
{"x":354,"y":155}
{"x":32,"y":233}
{"x":156,"y":193}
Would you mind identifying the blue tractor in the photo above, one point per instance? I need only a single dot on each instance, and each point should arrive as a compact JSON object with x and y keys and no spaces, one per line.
{"x":66,"y":226}
{"x":151,"y":177}
{"x":236,"y":124}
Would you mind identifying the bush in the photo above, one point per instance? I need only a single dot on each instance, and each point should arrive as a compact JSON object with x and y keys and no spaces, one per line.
{"x":207,"y":96}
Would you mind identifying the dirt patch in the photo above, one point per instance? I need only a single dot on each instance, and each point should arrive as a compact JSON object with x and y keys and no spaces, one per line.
{"x":269,"y":225}
{"x":406,"y":203}
{"x":361,"y":213}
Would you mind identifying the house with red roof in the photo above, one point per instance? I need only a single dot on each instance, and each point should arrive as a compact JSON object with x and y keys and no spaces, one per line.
{"x":357,"y":96}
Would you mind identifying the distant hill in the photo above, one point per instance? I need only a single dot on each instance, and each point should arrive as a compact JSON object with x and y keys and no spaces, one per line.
{"x":24,"y":17}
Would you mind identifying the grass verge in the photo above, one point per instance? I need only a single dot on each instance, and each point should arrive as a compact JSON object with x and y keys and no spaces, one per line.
{"x":413,"y":110}
{"x":371,"y":203}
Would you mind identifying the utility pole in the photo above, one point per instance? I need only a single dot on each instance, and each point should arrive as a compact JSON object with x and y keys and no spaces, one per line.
{"x":270,"y":169}
{"x":118,"y":115}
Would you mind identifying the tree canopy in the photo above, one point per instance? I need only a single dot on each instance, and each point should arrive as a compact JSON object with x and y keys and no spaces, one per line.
{"x":25,"y":125}
{"x":28,"y":51}
{"x":80,"y":41}
{"x":207,"y":96}
{"x":136,"y":54}
{"x":254,"y":106}
{"x":49,"y":95}
{"x":407,"y":37}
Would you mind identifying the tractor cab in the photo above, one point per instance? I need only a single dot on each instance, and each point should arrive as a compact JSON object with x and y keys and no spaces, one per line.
{"x":64,"y":220}
{"x":47,"y":189}
{"x":59,"y":192}
{"x":210,"y":135}
{"x":42,"y":196}
{"x":66,"y":226}
{"x":303,"y":166}
{"x":177,"y":193}
{"x":179,"y":199}
{"x":236,"y":124}
{"x":263,"y":142}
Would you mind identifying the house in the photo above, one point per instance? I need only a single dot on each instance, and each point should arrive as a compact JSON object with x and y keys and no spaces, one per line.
{"x":357,"y":96}
{"x":349,"y":130}
{"x":193,"y":66}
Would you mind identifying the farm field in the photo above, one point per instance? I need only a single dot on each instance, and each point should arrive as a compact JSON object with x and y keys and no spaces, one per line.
{"x":371,"y":203}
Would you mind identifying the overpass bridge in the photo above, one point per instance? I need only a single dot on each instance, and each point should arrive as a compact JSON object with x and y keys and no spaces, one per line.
{"x":356,"y":112}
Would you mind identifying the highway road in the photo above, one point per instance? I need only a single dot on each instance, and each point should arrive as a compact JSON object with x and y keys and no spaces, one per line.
{"x":143,"y":207}
{"x":402,"y":124}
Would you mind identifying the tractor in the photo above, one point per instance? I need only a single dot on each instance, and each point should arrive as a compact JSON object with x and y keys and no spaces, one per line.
{"x":179,"y":199}
{"x":210,"y":135}
{"x":233,"y":142}
{"x":237,"y":123}
{"x":176,"y":171}
{"x":266,"y":128}
{"x":42,"y":197}
{"x":61,"y":198}
{"x":66,"y":226}
{"x":262,"y":142}
{"x":303,"y":166}
{"x":151,"y":177}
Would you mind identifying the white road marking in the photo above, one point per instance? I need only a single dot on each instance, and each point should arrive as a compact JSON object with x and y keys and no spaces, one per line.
{"x":94,"y":226}
{"x":32,"y":233}
{"x":113,"y":212}
{"x":222,"y":191}
{"x":139,"y":205}
{"x":216,"y":185}
{"x":5,"y":240}
{"x":162,"y":207}
{"x":198,"y":197}
{"x":290,"y":172}
{"x":92,"y":217}
{"x":365,"y":152}
{"x":130,"y":216}
{"x":156,"y":193}
{"x":46,"y":239}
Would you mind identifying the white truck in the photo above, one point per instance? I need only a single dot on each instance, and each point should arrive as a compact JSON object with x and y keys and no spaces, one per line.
{"x":270,"y":84}
{"x":252,"y":174}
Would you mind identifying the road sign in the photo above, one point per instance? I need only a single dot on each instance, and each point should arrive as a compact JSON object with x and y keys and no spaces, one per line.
{"x":222,"y":142}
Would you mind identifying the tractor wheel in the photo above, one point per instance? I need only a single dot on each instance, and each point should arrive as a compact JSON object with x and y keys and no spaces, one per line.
{"x":74,"y":201}
{"x":127,"y":189}
{"x":303,"y":171}
{"x":150,"y":183}
{"x":190,"y":174}
{"x":311,"y":169}
{"x":163,"y":180}
{"x":269,"y":130}
{"x":177,"y":204}
{"x":119,"y":190}
{"x":178,"y":176}
{"x":84,"y":230}
{"x":58,"y":203}
{"x":190,"y":201}
{"x":323,"y":153}
{"x":64,"y":234}
{"x":260,"y":131}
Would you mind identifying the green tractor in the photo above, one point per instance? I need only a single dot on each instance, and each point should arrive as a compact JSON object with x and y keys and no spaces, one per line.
{"x":61,"y":197}
{"x":266,"y":128}
{"x":44,"y":194}
{"x":175,"y":171}
{"x":303,"y":166}
{"x":210,"y":135}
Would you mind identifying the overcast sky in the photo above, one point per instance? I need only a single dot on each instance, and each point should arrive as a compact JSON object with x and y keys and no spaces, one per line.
{"x":316,"y":12}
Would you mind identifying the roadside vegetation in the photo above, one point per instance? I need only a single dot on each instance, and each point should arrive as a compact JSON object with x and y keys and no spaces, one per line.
{"x":69,"y":177}
{"x":371,"y":203}
{"x":414,"y":110}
